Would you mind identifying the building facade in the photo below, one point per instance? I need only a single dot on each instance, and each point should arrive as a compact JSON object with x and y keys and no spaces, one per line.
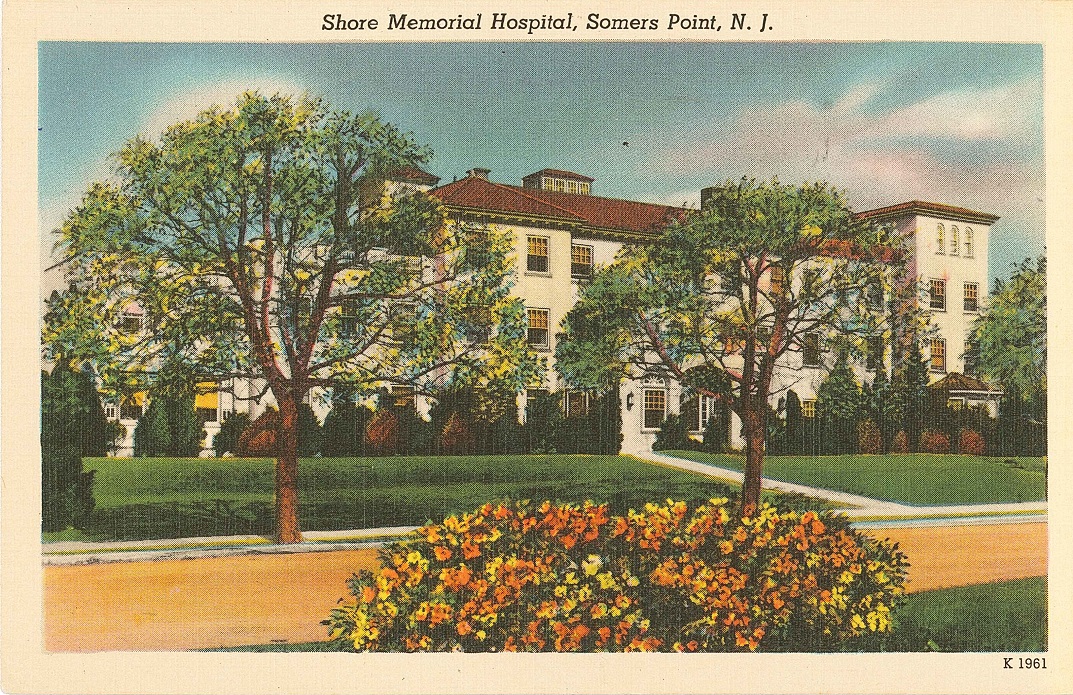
{"x":561,"y":233}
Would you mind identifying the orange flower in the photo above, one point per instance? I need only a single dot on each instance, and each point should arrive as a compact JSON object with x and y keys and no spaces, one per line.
{"x":443,"y":553}
{"x":470,"y":551}
{"x":368,"y":594}
{"x":464,"y":628}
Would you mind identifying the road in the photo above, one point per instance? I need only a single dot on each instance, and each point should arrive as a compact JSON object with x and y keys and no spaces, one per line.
{"x":169,"y":605}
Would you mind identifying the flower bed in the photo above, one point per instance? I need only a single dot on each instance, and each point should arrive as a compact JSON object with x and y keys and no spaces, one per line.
{"x":545,"y":577}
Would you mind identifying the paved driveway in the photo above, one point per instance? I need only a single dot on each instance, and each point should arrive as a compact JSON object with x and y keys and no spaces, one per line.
{"x":242,"y":600}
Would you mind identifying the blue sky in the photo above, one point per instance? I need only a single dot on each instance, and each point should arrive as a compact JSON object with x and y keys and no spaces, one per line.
{"x":955,"y":123}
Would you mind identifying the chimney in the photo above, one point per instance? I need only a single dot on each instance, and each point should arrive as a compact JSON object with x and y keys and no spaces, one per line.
{"x":478,"y":173}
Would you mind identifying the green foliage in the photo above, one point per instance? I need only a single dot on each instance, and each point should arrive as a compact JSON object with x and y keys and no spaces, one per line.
{"x":1009,"y":342}
{"x":382,"y":432}
{"x":73,"y":425}
{"x":574,"y":578}
{"x":457,"y":436}
{"x":170,"y":425}
{"x":838,"y":408}
{"x":869,"y":439}
{"x":226,"y":440}
{"x":910,"y":395}
{"x":672,"y":434}
{"x":344,"y":428}
{"x":310,"y":433}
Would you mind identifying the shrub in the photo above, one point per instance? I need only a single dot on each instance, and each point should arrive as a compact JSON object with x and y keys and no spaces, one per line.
{"x":170,"y":425}
{"x":869,"y":438}
{"x":672,"y":434}
{"x":382,"y":433}
{"x":934,"y":442}
{"x":528,"y":577}
{"x":344,"y":428}
{"x":259,"y":439}
{"x":310,"y":434}
{"x":970,"y":442}
{"x":73,"y":425}
{"x":900,"y":443}
{"x":226,"y":440}
{"x":457,"y":437}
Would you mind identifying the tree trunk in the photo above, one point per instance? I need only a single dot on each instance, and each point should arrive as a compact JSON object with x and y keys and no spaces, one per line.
{"x":287,"y":528}
{"x":753,"y":419}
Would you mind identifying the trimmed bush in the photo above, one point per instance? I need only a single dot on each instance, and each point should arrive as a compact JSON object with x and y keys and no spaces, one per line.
{"x":259,"y":439}
{"x":382,"y":433}
{"x":934,"y":442}
{"x":457,"y":438}
{"x":900,"y":443}
{"x":226,"y":440}
{"x":672,"y":435}
{"x":869,"y":438}
{"x":344,"y":428}
{"x":545,"y":577}
{"x":73,"y":425}
{"x":970,"y":442}
{"x":310,"y":434}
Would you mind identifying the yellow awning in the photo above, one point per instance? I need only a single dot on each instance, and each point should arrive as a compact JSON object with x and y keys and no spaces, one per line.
{"x":207,"y":395}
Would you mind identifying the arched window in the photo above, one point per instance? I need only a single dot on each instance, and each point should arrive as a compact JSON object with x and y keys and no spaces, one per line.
{"x":954,"y":242}
{"x":968,"y":242}
{"x":940,"y":239}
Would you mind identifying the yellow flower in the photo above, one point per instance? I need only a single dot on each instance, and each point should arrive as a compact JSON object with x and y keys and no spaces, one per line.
{"x":414,"y":557}
{"x":857,"y":622}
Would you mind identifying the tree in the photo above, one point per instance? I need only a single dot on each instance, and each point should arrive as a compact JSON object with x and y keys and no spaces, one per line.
{"x":262,"y":243}
{"x":170,"y":425}
{"x":73,"y":425}
{"x":1008,"y":344}
{"x":762,"y":271}
{"x":838,"y":407}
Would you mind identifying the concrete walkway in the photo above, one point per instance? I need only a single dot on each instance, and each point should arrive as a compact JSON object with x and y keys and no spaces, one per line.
{"x":864,"y":511}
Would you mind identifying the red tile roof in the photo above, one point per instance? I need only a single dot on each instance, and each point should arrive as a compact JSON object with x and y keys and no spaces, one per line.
{"x":955,"y":382}
{"x":600,"y":214}
{"x":920,"y":207}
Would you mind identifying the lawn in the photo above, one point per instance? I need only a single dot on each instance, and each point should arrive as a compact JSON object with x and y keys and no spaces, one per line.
{"x":1001,"y":617}
{"x":922,"y":479}
{"x":141,"y":499}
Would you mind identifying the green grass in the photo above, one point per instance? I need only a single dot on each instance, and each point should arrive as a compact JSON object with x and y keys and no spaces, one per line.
{"x":1000,"y":617}
{"x":923,"y":479}
{"x":141,"y":499}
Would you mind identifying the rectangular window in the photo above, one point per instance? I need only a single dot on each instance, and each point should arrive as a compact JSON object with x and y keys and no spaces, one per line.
{"x":478,"y":251}
{"x":655,"y":407}
{"x":560,"y":185}
{"x":205,"y":415}
{"x":538,"y":328}
{"x":403,"y":397}
{"x":130,"y":408}
{"x":349,"y":313}
{"x":546,"y":183}
{"x":968,"y":242}
{"x":808,"y":407}
{"x":130,"y":323}
{"x":938,"y":355}
{"x":972,"y":297}
{"x":778,"y":280}
{"x":536,"y":259}
{"x":577,"y":403}
{"x":937,"y":289}
{"x":580,"y":261}
{"x":111,"y":411}
{"x":478,"y":324}
{"x":583,"y":188}
{"x":810,"y":350}
{"x":571,"y":186}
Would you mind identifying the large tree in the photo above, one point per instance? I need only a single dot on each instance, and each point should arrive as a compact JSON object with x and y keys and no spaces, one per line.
{"x":1008,"y":344}
{"x":261,"y":242}
{"x":763,"y":270}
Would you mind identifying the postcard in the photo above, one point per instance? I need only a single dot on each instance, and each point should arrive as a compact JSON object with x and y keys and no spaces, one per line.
{"x":683,"y":347}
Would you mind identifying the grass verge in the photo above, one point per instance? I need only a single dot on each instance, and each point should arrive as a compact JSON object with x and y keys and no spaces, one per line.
{"x":145,"y":499}
{"x":921,"y":479}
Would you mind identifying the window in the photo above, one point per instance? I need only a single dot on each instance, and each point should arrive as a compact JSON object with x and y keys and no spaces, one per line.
{"x":560,"y":185}
{"x":955,"y":244}
{"x":655,"y":407}
{"x":938,"y":355}
{"x":583,"y":188}
{"x":538,"y":328}
{"x":547,"y":184}
{"x":571,"y":186}
{"x":940,"y":239}
{"x":955,"y":403}
{"x":478,"y":249}
{"x":808,"y":407}
{"x":478,"y":324}
{"x":130,"y":322}
{"x":937,"y":289}
{"x":810,"y":350}
{"x":111,"y":411}
{"x":778,"y":280}
{"x":580,"y":261}
{"x":403,"y":318}
{"x":968,"y":242}
{"x":207,"y":402}
{"x":577,"y":403}
{"x":536,"y":260}
{"x":972,"y":296}
{"x":349,"y":312}
{"x":403,"y":397}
